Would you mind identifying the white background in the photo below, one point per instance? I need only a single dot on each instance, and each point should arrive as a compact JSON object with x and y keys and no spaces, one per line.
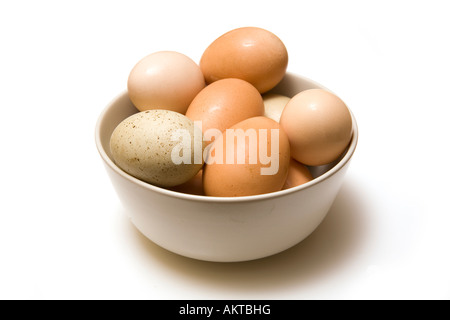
{"x":63,"y":231}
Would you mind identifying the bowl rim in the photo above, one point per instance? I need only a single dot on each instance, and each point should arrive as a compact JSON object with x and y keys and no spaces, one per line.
{"x":201,"y":198}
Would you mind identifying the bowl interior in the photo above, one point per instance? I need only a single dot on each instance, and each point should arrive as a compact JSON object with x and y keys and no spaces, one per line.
{"x":121,"y":107}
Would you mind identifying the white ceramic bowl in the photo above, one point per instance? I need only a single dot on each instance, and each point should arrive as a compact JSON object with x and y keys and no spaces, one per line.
{"x":224,"y":229}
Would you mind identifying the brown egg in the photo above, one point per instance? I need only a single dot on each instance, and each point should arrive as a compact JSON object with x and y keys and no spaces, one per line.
{"x":252,"y":54}
{"x":298,"y":174}
{"x":224,"y":103}
{"x":319,"y":126}
{"x":165,"y":80}
{"x":193,"y":186}
{"x":251,"y":158}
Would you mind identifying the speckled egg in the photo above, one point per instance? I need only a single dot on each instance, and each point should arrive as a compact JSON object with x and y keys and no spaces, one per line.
{"x":160,"y":147}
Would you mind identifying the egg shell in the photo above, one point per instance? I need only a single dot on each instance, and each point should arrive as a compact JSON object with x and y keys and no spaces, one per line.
{"x":243,"y":178}
{"x":274,"y":105}
{"x":298,"y":174}
{"x":224,"y":103}
{"x":319,"y":126}
{"x":249,"y":53}
{"x":142,"y":145}
{"x":193,"y":186}
{"x":165,"y":80}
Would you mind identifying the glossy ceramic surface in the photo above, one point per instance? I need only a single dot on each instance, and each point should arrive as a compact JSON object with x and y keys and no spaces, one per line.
{"x":224,"y":229}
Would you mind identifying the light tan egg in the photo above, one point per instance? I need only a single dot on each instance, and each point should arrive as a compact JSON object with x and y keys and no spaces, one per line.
{"x":252,"y":54}
{"x":274,"y":105}
{"x":298,"y":174}
{"x":165,"y":80}
{"x":160,"y":147}
{"x":251,"y":158}
{"x":224,"y":103}
{"x":319,"y":126}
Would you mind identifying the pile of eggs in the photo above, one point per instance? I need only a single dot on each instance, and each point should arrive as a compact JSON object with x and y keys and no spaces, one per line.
{"x":215,"y":129}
